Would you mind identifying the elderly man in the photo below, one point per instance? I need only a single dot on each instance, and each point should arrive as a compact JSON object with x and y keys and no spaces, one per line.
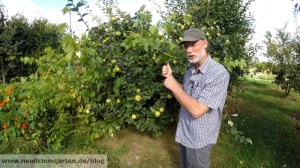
{"x":201,"y":96}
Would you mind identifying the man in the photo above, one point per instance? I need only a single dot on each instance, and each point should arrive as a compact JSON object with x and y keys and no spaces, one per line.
{"x":202,"y":97}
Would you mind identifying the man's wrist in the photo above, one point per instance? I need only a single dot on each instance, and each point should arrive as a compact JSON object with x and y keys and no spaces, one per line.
{"x":175,"y":86}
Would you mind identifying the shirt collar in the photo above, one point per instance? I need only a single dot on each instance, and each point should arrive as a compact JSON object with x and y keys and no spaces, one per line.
{"x":203,"y":68}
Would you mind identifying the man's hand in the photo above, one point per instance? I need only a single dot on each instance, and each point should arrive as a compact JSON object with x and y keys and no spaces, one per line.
{"x":166,"y":70}
{"x":170,"y":82}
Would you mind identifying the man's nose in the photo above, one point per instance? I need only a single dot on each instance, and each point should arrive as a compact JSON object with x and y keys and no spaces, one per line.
{"x":188,"y":49}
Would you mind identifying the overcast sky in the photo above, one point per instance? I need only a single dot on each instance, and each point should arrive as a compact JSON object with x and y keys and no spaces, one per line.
{"x":269,"y":14}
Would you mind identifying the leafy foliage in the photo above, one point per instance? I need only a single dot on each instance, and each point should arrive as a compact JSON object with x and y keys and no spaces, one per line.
{"x":114,"y":79}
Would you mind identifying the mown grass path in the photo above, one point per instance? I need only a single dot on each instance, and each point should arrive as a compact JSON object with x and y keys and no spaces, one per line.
{"x":271,"y":121}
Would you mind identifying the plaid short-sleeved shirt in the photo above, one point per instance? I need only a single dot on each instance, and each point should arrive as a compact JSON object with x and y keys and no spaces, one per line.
{"x":208,"y":85}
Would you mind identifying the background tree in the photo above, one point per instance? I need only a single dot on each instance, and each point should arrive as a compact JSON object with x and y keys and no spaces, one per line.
{"x":282,"y":49}
{"x":297,"y":39}
{"x":228,"y":36}
{"x":296,"y":6}
{"x":20,"y":38}
{"x":19,"y":26}
{"x":43,"y":34}
{"x":8,"y":47}
{"x":265,"y":67}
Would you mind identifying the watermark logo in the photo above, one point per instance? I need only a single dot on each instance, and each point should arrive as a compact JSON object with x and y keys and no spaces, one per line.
{"x":53,"y":161}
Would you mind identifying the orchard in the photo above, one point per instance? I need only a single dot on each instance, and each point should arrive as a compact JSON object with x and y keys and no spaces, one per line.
{"x":113,"y":81}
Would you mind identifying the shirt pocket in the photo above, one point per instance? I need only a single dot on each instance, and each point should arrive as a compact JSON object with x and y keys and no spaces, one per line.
{"x":196,"y":89}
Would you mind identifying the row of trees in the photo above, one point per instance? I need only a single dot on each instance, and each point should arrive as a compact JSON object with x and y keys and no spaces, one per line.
{"x":20,"y":38}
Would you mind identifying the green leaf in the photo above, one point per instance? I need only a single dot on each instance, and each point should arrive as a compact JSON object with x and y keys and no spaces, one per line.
{"x":69,"y":4}
{"x":152,"y":109}
{"x":118,"y":83}
{"x":233,"y":130}
{"x":157,"y":45}
{"x":169,"y":18}
{"x":23,"y":80}
{"x":65,"y":10}
{"x":116,"y":90}
{"x":79,"y":4}
{"x":78,"y":99}
{"x":152,"y":29}
{"x":236,"y":62}
{"x":230,"y":65}
{"x":62,"y":27}
{"x":92,"y":94}
{"x":166,"y":57}
{"x":249,"y":140}
{"x":74,"y":9}
{"x":187,"y":19}
{"x":230,"y":123}
{"x":136,"y":24}
{"x":243,"y":64}
{"x":145,"y":43}
{"x":142,"y":8}
{"x":217,"y":59}
{"x":25,"y":59}
{"x":229,"y":68}
{"x":224,"y":116}
{"x":83,"y":15}
{"x":96,"y":74}
{"x":128,"y":105}
{"x":138,"y":107}
{"x":80,"y":20}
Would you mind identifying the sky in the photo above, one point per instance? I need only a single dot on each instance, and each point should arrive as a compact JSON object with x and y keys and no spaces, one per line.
{"x":269,"y":14}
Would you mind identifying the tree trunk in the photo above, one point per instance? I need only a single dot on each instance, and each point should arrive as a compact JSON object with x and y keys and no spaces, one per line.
{"x":287,"y":91}
{"x":3,"y":78}
{"x":2,"y":70}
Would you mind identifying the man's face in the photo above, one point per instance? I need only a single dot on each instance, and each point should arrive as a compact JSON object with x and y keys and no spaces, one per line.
{"x":195,"y":50}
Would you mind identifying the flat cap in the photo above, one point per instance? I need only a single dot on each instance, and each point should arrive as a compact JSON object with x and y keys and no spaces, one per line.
{"x":192,"y":34}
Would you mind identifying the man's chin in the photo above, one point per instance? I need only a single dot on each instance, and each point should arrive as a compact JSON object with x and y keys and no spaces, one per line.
{"x":193,"y":61}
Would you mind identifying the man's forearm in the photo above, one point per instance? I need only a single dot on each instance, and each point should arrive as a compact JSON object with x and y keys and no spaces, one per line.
{"x":189,"y":103}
